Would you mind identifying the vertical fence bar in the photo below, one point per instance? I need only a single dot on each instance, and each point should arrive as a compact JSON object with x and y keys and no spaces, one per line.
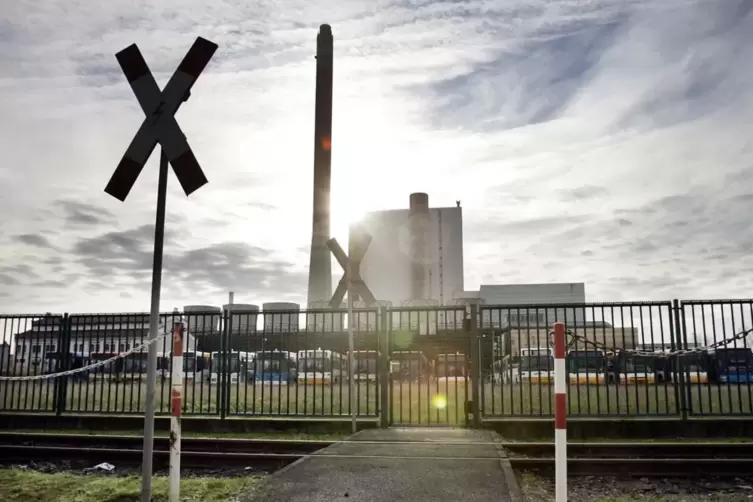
{"x":384,"y":365}
{"x":560,"y":413}
{"x":176,"y":402}
{"x":678,"y":334}
{"x":475,"y":366}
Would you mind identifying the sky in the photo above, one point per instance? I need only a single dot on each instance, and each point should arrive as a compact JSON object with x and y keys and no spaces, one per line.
{"x":603,"y":141}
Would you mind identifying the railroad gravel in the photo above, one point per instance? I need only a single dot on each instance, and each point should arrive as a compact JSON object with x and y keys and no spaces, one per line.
{"x":614,"y":489}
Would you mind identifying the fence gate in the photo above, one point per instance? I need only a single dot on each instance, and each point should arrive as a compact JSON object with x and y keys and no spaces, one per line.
{"x":429,"y":372}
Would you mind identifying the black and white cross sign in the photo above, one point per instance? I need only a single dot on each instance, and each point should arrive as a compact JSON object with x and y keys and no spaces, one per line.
{"x":160,"y":126}
{"x":358,"y":286}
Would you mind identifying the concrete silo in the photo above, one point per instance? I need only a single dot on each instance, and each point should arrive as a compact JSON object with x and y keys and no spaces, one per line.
{"x":243,"y":317}
{"x":322,"y":318}
{"x":202,"y":319}
{"x":280,"y":317}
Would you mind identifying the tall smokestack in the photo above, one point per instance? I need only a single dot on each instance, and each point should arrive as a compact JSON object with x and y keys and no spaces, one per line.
{"x":418,"y":228}
{"x":320,"y":264}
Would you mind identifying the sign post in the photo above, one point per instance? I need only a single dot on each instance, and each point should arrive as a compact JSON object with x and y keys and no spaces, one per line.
{"x":159,"y":126}
{"x":176,"y":404}
{"x":351,"y":283}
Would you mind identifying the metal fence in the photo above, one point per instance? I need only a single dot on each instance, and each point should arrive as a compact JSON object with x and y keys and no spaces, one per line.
{"x":418,"y":365}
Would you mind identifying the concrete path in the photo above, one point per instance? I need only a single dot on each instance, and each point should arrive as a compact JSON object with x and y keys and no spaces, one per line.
{"x":411,"y":465}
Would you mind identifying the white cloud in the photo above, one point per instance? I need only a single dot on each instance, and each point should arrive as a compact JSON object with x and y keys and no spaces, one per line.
{"x":603,"y":141}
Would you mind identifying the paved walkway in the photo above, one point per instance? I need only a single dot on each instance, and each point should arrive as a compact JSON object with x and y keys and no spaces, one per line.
{"x":396,"y":465}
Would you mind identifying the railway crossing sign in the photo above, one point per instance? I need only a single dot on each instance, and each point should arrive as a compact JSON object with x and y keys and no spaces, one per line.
{"x":160,"y":126}
{"x":351,"y":272}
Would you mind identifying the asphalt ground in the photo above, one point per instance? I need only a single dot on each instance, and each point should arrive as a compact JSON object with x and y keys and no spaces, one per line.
{"x":411,"y":464}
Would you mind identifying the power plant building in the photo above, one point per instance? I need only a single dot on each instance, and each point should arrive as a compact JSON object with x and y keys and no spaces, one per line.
{"x":415,"y":253}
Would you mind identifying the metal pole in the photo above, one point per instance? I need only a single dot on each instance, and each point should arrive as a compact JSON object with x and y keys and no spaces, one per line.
{"x":176,"y":404}
{"x":151,"y":379}
{"x":560,"y":414}
{"x":351,"y":348}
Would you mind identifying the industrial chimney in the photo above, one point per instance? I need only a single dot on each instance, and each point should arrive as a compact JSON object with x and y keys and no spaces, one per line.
{"x":320,"y":264}
{"x":418,"y":228}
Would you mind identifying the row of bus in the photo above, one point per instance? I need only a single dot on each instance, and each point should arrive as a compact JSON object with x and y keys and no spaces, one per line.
{"x":723,"y":365}
{"x":314,"y":366}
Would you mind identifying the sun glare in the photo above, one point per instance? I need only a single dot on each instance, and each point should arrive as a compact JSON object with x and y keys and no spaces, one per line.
{"x":439,"y":402}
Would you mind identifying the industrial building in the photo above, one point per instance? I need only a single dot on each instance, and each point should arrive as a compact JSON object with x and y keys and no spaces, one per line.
{"x":416,"y":254}
{"x":93,"y":334}
{"x":527,"y":296}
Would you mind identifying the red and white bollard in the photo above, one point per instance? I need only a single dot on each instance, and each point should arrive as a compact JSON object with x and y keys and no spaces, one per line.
{"x":560,"y":413}
{"x":176,"y":403}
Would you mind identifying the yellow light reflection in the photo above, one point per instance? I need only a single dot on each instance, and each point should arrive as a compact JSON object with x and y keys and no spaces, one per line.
{"x":439,"y":402}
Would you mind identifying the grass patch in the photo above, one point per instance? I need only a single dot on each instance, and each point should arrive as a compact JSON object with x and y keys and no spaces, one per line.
{"x":20,"y":485}
{"x":410,"y":403}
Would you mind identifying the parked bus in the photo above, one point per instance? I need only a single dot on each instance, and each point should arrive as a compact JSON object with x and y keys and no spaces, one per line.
{"x":365,"y":365}
{"x":274,"y":367}
{"x":730,"y":365}
{"x":633,"y":368}
{"x":409,"y":366}
{"x":194,"y":364}
{"x":451,"y":367}
{"x":321,"y":366}
{"x":535,"y":367}
{"x":536,"y":351}
{"x":586,"y":366}
{"x":236,"y":367}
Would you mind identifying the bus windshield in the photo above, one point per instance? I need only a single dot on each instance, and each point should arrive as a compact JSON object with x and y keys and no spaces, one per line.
{"x":271,"y":364}
{"x":314,"y":364}
{"x":232,"y":363}
{"x":536,"y":363}
{"x":639,"y":364}
{"x":586,"y":361}
{"x":365,"y":363}
{"x":451,"y":367}
{"x":735,"y":358}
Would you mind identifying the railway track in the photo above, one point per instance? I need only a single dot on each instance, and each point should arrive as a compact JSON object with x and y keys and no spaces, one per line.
{"x":657,"y":459}
{"x":198,"y":453}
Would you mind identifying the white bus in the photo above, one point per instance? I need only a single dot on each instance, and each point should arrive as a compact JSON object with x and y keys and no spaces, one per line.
{"x":535,"y":367}
{"x":236,"y":367}
{"x":451,"y":367}
{"x":321,"y":366}
{"x":365,"y":365}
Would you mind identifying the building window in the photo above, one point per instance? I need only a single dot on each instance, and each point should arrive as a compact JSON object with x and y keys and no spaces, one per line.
{"x":106,"y":347}
{"x":527,"y":318}
{"x":49,"y":348}
{"x":128,"y":346}
{"x":92,"y":347}
{"x":21,"y":350}
{"x":35,"y":349}
{"x":121,"y":347}
{"x":81,"y":347}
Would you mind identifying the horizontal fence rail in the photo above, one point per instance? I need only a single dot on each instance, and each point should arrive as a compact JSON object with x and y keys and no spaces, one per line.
{"x":412,"y":365}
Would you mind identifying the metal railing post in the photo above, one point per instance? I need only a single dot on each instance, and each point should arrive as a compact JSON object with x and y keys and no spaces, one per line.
{"x":384,"y":369}
{"x":475,"y":367}
{"x":61,"y":383}
{"x":678,"y":336}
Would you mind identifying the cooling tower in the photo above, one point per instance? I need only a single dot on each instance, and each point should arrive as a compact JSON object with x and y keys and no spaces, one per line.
{"x":419,"y":229}
{"x":280,"y":317}
{"x":202,"y":319}
{"x":243,"y":317}
{"x":320,"y":261}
